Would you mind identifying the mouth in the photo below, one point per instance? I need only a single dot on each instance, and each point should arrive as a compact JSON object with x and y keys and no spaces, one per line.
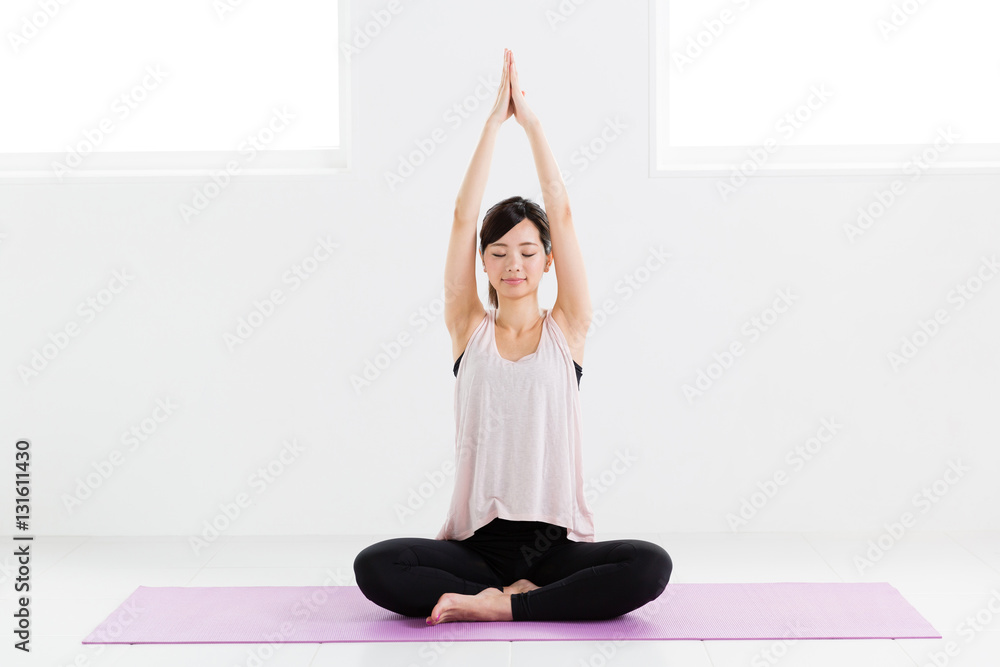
{"x":518,"y":281}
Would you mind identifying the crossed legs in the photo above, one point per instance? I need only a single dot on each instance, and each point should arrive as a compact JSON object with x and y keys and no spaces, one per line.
{"x":448,"y":580}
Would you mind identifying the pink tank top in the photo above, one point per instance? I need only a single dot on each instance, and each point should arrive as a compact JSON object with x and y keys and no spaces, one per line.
{"x":517,"y":437}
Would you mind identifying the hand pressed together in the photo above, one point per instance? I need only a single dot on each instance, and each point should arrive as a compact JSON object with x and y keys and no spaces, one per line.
{"x":507,"y":103}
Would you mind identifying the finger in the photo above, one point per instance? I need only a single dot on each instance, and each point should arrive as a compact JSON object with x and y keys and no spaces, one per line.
{"x":515,"y":86}
{"x":504,"y":81}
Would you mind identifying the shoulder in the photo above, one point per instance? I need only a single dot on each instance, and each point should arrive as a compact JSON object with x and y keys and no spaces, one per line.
{"x":461,"y":337}
{"x":573,"y":330}
{"x":572,"y":327}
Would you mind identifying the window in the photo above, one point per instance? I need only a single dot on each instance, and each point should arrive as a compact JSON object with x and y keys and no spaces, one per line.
{"x":801,"y":86}
{"x":118,"y":87}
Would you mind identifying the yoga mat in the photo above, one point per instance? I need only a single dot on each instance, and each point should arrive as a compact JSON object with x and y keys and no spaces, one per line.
{"x":289,"y":614}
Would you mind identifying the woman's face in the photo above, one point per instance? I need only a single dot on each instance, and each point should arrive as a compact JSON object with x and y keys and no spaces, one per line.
{"x":518,"y":254}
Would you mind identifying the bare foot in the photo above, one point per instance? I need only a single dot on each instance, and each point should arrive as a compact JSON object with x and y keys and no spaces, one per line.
{"x":487,"y":605}
{"x":520,"y":586}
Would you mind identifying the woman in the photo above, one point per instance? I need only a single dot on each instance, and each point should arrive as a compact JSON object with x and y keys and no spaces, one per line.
{"x":518,"y":542}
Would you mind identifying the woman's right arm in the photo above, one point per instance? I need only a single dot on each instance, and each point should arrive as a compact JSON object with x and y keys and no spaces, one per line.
{"x":461,"y":299}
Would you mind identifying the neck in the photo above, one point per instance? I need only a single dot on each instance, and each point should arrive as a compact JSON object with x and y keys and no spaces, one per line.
{"x":518,"y":316}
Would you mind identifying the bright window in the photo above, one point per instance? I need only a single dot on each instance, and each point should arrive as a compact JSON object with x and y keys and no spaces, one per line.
{"x":126,"y":86}
{"x":800,"y":85}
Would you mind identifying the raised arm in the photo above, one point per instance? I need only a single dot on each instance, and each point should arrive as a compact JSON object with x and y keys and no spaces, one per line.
{"x":461,"y":299}
{"x":572,"y":295}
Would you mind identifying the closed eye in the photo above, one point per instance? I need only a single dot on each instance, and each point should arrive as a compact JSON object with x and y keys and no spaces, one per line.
{"x":496,"y":255}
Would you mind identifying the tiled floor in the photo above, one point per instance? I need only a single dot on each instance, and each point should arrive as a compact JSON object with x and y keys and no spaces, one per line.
{"x":952,"y":578}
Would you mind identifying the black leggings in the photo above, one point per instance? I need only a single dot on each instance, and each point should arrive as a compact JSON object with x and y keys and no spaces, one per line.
{"x":577,"y":580}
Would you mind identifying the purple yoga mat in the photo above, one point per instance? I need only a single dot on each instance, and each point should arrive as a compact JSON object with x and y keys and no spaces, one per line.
{"x":288,"y":614}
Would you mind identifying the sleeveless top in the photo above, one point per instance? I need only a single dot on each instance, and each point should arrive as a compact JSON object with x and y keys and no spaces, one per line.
{"x":579,"y":369}
{"x":518,"y":437}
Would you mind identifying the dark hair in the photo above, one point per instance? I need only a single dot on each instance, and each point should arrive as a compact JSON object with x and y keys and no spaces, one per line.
{"x":505,"y":215}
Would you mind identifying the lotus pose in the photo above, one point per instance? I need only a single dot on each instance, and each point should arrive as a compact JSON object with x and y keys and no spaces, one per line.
{"x":518,"y":541}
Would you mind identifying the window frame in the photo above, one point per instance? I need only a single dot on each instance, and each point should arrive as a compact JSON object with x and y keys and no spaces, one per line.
{"x":186,"y":166}
{"x":847,"y":160}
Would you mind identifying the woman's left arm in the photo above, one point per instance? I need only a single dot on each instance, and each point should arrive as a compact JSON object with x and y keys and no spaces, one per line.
{"x":573,"y":295}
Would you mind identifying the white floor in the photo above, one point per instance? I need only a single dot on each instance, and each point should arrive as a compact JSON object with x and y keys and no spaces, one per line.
{"x":952,"y":578}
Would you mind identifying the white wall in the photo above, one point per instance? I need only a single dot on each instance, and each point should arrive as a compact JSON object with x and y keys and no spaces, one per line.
{"x":364,"y":453}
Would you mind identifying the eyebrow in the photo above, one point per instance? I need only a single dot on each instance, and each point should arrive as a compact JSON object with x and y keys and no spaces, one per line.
{"x":525,"y":243}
